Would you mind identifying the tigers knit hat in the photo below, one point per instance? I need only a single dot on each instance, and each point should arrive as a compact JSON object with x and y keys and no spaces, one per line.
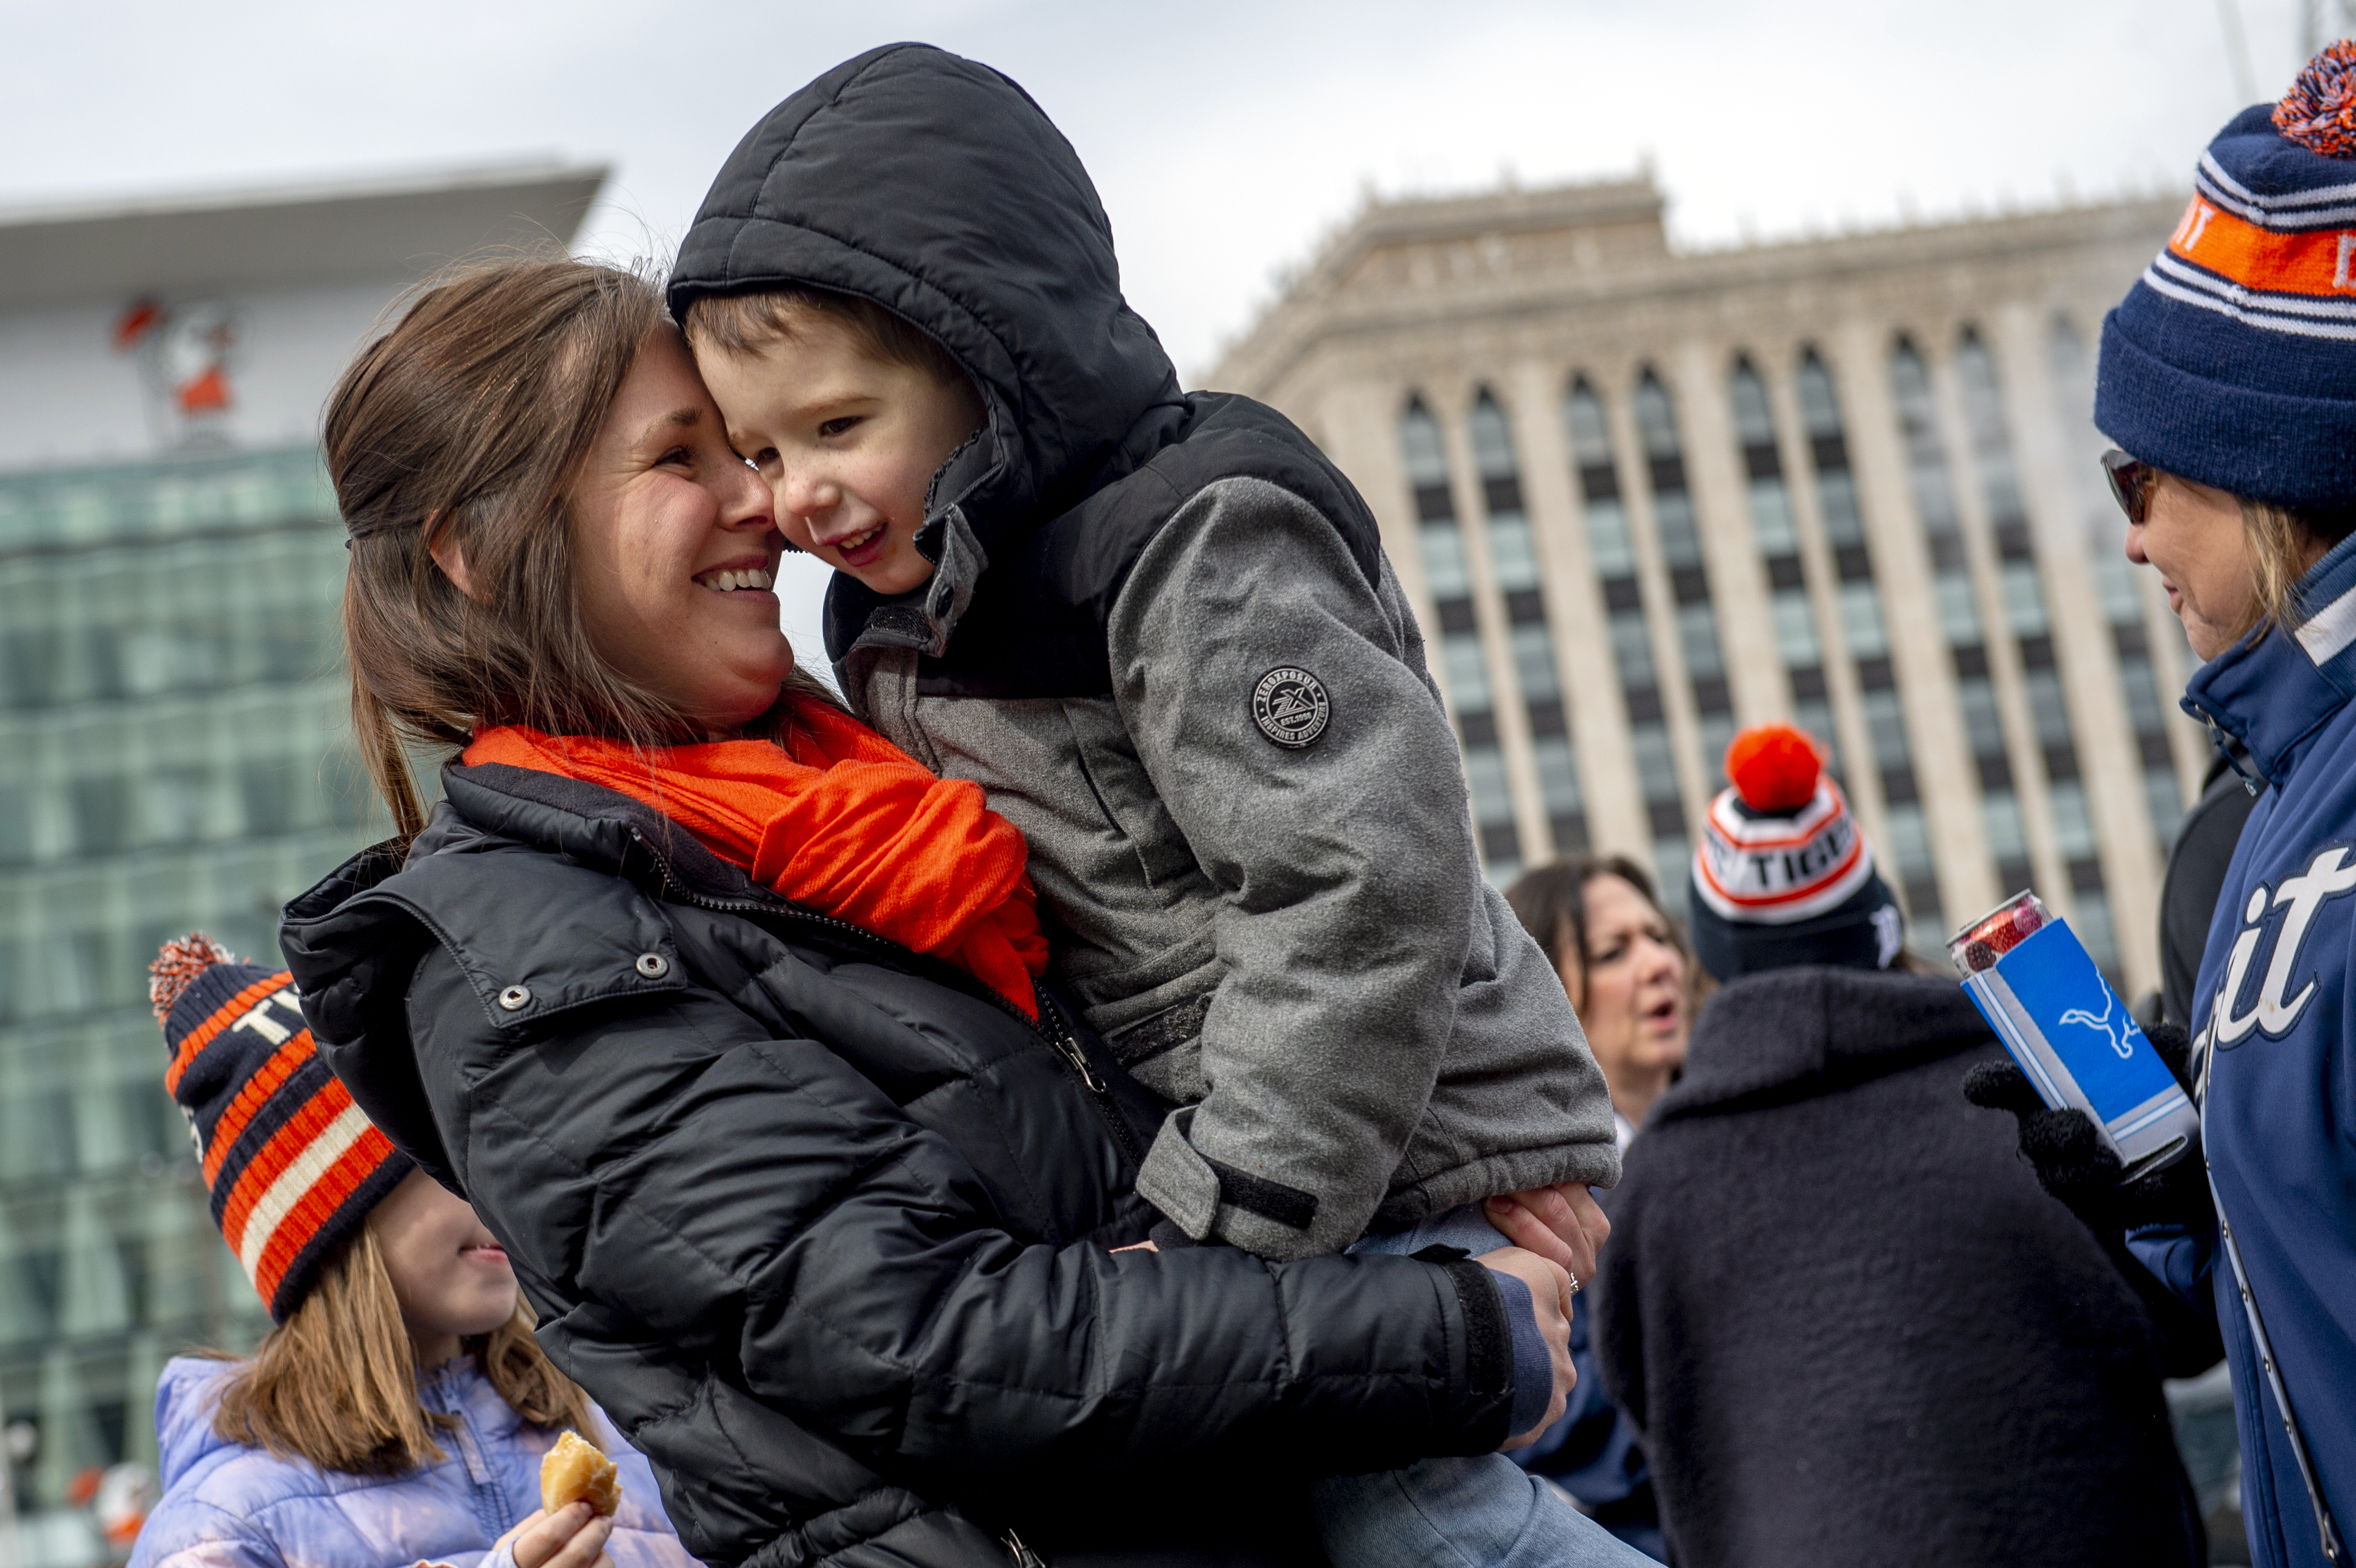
{"x":292,"y":1165}
{"x":2233,"y":360}
{"x":1782,"y":875}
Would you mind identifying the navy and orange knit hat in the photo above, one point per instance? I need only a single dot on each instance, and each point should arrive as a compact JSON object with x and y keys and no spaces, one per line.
{"x":1783,"y":874}
{"x":292,"y":1165}
{"x":2233,"y":360}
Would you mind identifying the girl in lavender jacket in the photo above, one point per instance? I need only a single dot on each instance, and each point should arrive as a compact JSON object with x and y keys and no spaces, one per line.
{"x":398,"y":1412}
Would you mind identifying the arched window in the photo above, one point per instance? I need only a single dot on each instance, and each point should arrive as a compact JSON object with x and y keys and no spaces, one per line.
{"x":1463,"y":662}
{"x":2027,"y":617}
{"x":1512,"y":556}
{"x":1604,"y":509}
{"x":1778,"y":538}
{"x":1934,"y":503}
{"x":1675,"y":523}
{"x":1907,"y":851}
{"x":2123,"y":606}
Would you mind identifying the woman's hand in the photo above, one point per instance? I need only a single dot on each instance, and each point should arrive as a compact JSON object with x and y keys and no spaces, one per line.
{"x":1550,"y":1290}
{"x":1562,"y":1223}
{"x":572,"y":1537}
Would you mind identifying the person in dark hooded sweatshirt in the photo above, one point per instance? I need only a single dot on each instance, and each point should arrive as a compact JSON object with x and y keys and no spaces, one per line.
{"x":1158,"y":628}
{"x":1850,"y":1325}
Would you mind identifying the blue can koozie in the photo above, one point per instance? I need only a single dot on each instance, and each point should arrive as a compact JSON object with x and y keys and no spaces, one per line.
{"x":2032,"y":980}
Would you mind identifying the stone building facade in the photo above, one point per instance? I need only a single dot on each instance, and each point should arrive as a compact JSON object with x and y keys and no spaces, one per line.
{"x":1643,"y":498}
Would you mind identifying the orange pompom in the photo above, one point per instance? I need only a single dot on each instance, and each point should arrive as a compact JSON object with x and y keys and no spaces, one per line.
{"x":1774,"y":768}
{"x":177,"y":967}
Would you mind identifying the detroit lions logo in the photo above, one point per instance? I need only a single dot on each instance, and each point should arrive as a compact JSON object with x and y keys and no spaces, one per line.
{"x":2289,"y":911}
{"x":2117,"y":1032}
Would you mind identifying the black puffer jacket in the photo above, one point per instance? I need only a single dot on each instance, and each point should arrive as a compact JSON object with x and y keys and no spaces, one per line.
{"x":823,"y":1226}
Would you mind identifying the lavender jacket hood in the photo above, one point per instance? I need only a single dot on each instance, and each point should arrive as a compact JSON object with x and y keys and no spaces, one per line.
{"x":226,"y":1505}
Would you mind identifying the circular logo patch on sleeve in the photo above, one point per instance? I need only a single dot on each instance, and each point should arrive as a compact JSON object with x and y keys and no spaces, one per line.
{"x":1291,"y":707}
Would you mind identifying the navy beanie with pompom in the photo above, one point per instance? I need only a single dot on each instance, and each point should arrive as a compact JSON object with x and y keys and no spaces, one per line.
{"x":2233,"y":360}
{"x":1783,"y":876}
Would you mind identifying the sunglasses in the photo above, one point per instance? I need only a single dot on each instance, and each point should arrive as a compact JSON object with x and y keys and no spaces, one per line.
{"x":2131,"y":482}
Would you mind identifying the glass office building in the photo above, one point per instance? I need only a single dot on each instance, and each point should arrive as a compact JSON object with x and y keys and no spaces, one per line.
{"x":173,"y":751}
{"x":172,"y":721}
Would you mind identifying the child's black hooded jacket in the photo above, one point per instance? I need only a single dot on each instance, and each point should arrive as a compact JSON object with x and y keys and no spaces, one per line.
{"x":1163,"y":637}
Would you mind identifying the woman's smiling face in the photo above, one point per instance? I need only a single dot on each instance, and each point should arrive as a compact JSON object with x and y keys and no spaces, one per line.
{"x":675,"y":549}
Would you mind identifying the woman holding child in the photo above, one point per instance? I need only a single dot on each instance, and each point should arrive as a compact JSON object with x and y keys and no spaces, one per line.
{"x":735,"y":1022}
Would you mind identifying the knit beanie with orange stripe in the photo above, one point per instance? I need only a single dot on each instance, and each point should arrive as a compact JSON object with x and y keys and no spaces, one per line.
{"x":2233,"y":360}
{"x":1783,"y":876}
{"x":292,"y":1165}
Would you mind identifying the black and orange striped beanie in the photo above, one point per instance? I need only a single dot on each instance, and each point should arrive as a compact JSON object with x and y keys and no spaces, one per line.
{"x":292,"y":1165}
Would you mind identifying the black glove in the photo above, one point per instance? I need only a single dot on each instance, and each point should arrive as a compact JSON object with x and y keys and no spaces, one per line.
{"x":2073,"y":1165}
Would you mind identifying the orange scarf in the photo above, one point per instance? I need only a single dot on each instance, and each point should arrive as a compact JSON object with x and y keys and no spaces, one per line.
{"x":839,"y":820}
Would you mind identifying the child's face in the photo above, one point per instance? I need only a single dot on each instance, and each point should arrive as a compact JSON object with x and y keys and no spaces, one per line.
{"x":848,"y":443}
{"x":449,"y":1274}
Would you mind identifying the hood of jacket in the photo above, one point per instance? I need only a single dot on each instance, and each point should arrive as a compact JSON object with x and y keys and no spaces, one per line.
{"x":1791,"y":1032}
{"x":988,"y":234}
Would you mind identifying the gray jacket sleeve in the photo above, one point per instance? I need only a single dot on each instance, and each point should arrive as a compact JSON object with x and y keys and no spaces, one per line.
{"x":1352,"y":903}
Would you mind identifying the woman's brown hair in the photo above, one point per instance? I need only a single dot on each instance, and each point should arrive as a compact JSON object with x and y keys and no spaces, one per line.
{"x":336,"y":1382}
{"x":471,"y":418}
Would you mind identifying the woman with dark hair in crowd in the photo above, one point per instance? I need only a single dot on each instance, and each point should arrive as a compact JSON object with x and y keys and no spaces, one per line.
{"x":1626,"y":967}
{"x":1631,"y":978}
{"x":2228,"y":378}
{"x":729,"y":1020}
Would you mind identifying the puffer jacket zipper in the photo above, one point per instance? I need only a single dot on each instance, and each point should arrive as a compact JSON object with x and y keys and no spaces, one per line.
{"x":490,"y":1499}
{"x":1050,"y":1026}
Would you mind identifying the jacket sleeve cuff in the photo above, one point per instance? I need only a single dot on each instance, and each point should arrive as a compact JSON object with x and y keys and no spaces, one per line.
{"x":1214,"y":1202}
{"x":1488,"y":1343}
{"x":1533,"y":1363}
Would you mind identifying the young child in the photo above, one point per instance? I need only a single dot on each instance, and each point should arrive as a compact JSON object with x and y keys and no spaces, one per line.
{"x":399,"y":1410}
{"x":1159,"y":629}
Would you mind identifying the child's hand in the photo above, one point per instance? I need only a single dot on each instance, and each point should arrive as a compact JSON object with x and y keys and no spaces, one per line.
{"x":572,"y":1537}
{"x":1550,"y":1290}
{"x":1562,"y":1223}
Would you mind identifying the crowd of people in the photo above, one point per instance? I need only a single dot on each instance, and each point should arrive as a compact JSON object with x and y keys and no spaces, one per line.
{"x":1072,"y":1097}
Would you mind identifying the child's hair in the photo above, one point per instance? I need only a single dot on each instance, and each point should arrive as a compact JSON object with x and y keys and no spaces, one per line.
{"x":472,"y":415}
{"x":336,"y":1382}
{"x":747,"y":322}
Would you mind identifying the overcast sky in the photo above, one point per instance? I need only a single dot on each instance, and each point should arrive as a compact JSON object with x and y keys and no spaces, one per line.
{"x":1225,"y":136}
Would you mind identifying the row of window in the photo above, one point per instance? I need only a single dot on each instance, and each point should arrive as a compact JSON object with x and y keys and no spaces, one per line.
{"x":2046,"y":749}
{"x":77,"y":940}
{"x":201,"y":801}
{"x":101,"y":1258}
{"x":92,"y":1403}
{"x":188,"y":615}
{"x":217,"y":494}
